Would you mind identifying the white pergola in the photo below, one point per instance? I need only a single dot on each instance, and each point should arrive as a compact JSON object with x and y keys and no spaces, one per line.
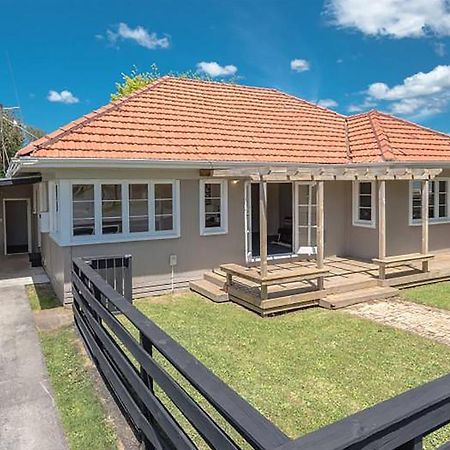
{"x":263,"y":175}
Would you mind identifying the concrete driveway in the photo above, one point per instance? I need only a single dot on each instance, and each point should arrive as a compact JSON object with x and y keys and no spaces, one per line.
{"x":28,"y":417}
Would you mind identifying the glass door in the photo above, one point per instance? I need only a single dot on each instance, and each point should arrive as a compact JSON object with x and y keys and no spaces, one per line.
{"x":305,"y":219}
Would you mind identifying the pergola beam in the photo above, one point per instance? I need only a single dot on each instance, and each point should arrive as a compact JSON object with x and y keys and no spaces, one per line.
{"x":326,"y":174}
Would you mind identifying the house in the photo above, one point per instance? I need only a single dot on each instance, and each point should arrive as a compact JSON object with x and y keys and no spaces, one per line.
{"x":188,"y":175}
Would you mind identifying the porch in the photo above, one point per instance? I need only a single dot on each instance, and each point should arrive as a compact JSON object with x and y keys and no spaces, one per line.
{"x":308,"y":278}
{"x":346,"y":281}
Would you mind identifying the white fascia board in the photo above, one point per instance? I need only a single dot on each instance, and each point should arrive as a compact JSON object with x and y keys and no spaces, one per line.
{"x":23,"y":163}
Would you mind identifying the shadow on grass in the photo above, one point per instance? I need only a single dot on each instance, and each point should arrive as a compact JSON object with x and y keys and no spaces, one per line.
{"x":42,"y":296}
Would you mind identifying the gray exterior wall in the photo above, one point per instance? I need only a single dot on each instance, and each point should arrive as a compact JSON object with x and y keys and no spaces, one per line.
{"x":196,"y":253}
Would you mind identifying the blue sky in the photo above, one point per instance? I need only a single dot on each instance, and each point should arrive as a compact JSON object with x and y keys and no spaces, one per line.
{"x":59,"y":60}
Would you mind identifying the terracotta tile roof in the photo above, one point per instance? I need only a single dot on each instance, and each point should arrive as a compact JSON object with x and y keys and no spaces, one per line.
{"x":192,"y":120}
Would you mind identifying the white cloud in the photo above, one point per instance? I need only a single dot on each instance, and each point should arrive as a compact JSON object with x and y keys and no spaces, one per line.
{"x":62,"y":97}
{"x":417,"y":85}
{"x":365,"y":105}
{"x":140,"y":35}
{"x":419,"y":95}
{"x":328,"y":103}
{"x":395,"y":18}
{"x":300,"y":65}
{"x":214,"y":69}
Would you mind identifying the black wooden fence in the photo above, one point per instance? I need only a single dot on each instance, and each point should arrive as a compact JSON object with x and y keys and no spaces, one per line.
{"x":139,"y":370}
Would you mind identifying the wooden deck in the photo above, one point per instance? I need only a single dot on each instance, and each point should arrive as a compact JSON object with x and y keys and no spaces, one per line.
{"x":346,"y":281}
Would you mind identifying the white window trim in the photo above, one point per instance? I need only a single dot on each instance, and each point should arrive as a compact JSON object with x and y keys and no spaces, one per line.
{"x":431,"y":221}
{"x":355,"y":206}
{"x":223,"y":229}
{"x":126,"y":235}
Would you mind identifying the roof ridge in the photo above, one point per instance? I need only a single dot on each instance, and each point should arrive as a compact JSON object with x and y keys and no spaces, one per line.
{"x":382,"y":139}
{"x":86,"y":118}
{"x":302,"y":100}
{"x":409,"y":122}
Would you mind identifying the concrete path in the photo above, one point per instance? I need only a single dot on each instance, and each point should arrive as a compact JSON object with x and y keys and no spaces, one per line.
{"x":428,"y":322}
{"x":28,"y":417}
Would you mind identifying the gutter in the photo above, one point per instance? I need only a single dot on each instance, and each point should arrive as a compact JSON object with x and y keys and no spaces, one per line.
{"x":19,"y":164}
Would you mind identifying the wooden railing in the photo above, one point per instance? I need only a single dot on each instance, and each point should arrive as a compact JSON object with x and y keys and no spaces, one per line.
{"x":143,"y":369}
{"x":130,"y":369}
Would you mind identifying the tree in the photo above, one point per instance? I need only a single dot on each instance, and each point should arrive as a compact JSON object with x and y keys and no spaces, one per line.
{"x":137,"y":80}
{"x":14,"y":134}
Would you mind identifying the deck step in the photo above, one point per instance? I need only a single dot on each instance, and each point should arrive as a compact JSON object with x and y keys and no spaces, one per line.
{"x":209,"y":290}
{"x":344,"y":299}
{"x":215,"y":278}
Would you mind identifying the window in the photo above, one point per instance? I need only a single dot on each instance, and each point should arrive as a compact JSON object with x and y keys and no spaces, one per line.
{"x":111,"y":208}
{"x":83,"y":209}
{"x":364,"y":204}
{"x":53,"y":195}
{"x":438,"y":208}
{"x":138,"y":208}
{"x":213,"y":207}
{"x":116,"y":211}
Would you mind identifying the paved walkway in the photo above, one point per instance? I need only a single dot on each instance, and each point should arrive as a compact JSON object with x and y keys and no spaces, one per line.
{"x":28,"y":418}
{"x":428,"y":322}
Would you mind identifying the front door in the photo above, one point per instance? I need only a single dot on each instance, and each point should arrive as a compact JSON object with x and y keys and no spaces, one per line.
{"x":305,"y":219}
{"x":16,"y":226}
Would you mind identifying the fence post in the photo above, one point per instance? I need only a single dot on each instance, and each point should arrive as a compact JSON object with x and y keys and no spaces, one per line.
{"x":147,"y":347}
{"x":128,"y":278}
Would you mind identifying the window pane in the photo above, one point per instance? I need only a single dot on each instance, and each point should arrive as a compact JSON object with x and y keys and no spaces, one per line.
{"x":138,"y":192}
{"x":83,"y":209}
{"x":83,"y":192}
{"x":163,"y":223}
{"x":111,"y":208}
{"x":111,"y":191}
{"x":83,"y":227}
{"x":163,"y":190}
{"x":112,"y":225}
{"x":138,"y":208}
{"x":365,"y":188}
{"x":212,"y":205}
{"x":138,"y":224}
{"x":163,"y":207}
{"x":212,"y":190}
{"x":212,"y":220}
{"x":417,"y":212}
{"x":365,"y":201}
{"x":365,"y":214}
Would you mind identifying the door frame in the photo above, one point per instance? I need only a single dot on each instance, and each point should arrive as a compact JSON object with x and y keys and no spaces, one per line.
{"x":5,"y":237}
{"x":249,"y":258}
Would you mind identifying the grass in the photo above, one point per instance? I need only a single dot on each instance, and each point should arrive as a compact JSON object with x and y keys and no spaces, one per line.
{"x":41,"y":296}
{"x":84,"y":420}
{"x":302,"y":370}
{"x":436,"y":295}
{"x":83,"y":417}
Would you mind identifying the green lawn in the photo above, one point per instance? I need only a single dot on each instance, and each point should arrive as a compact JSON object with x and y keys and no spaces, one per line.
{"x":437,"y":295}
{"x":302,"y":370}
{"x":41,"y":296}
{"x":84,"y":420}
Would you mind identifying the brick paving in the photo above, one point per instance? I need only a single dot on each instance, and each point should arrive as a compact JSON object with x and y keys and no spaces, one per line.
{"x":431,"y":323}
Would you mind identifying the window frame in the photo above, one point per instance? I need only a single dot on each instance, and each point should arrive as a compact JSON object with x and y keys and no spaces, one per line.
{"x":357,"y":222}
{"x":223,"y":229}
{"x":431,"y":220}
{"x":125,"y":235}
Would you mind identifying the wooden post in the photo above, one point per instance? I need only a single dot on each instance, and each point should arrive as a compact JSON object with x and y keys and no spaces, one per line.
{"x":425,"y":220}
{"x":320,"y":231}
{"x":263,"y":233}
{"x":382,"y":226}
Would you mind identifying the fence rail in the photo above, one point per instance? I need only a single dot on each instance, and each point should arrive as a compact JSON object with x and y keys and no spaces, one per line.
{"x":139,"y":381}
